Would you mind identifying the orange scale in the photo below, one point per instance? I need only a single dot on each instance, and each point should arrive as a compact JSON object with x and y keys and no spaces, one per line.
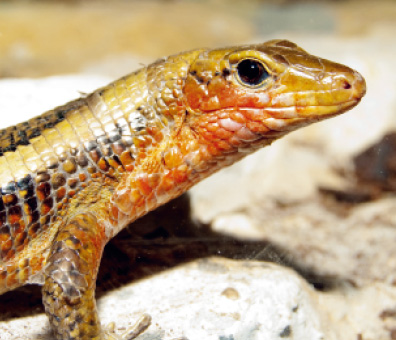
{"x":11,"y":267}
{"x":23,"y":193}
{"x":114,"y":212}
{"x":120,"y":169}
{"x":113,"y":163}
{"x":103,"y":165}
{"x":159,"y":136}
{"x":223,"y":133}
{"x":6,"y":245}
{"x":14,"y":218}
{"x":4,"y":237}
{"x":136,"y":198}
{"x":213,"y":150}
{"x":33,"y":229}
{"x":20,"y":248}
{"x":61,"y":193}
{"x":111,"y":172}
{"x":141,"y":142}
{"x":108,"y":180}
{"x":173,"y":157}
{"x":9,"y":199}
{"x":166,"y":185}
{"x":12,"y":280}
{"x":9,"y":255}
{"x":44,"y":220}
{"x":95,"y":156}
{"x":19,"y":239}
{"x":24,"y":274}
{"x":212,"y":127}
{"x":142,"y":184}
{"x":72,"y":244}
{"x":126,"y":158}
{"x":180,"y":175}
{"x":207,"y":135}
{"x":27,"y":209}
{"x":237,"y":116}
{"x":257,"y":127}
{"x":45,"y":209}
{"x":35,"y":263}
{"x":224,"y":146}
{"x":82,"y":177}
{"x":42,"y":191}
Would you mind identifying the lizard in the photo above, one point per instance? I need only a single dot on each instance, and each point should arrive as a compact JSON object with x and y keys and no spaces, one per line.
{"x":73,"y":177}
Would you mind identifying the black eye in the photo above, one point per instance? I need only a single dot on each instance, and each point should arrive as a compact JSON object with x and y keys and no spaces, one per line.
{"x":251,"y":72}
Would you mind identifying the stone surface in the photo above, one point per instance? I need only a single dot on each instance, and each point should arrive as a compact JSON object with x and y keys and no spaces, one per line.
{"x":208,"y":299}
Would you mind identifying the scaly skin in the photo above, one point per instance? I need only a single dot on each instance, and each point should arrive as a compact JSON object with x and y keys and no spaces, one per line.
{"x":73,"y":177}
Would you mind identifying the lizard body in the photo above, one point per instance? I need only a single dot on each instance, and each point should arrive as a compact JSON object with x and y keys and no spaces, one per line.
{"x":73,"y":177}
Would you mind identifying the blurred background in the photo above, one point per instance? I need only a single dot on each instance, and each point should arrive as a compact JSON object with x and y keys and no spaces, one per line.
{"x":40,"y":38}
{"x":324,"y":195}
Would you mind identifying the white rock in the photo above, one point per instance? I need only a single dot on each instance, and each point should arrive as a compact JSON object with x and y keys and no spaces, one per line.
{"x":208,"y":299}
{"x":21,"y":99}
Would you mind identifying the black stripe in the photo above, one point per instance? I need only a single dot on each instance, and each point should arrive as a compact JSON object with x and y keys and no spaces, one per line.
{"x":22,"y":133}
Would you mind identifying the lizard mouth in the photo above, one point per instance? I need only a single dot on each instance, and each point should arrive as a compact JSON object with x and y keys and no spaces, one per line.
{"x":307,"y":112}
{"x":286,"y":119}
{"x":326,"y":111}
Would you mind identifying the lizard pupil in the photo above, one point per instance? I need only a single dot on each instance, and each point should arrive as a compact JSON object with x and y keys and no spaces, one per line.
{"x":252,"y":72}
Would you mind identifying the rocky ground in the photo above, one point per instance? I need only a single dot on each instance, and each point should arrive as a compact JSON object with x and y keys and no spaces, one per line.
{"x":319,"y":205}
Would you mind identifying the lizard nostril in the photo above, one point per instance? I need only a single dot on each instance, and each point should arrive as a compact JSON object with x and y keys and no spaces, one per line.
{"x":347,"y":85}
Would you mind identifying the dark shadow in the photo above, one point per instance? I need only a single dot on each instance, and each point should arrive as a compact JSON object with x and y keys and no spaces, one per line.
{"x":163,"y":239}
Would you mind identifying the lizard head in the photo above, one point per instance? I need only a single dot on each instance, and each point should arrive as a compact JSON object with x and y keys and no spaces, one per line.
{"x":237,"y":96}
{"x":218,"y":105}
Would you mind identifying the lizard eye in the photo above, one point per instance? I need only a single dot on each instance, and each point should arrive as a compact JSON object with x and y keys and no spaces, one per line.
{"x":252,"y":72}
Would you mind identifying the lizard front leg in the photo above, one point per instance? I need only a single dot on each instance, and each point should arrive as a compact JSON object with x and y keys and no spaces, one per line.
{"x":70,"y":279}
